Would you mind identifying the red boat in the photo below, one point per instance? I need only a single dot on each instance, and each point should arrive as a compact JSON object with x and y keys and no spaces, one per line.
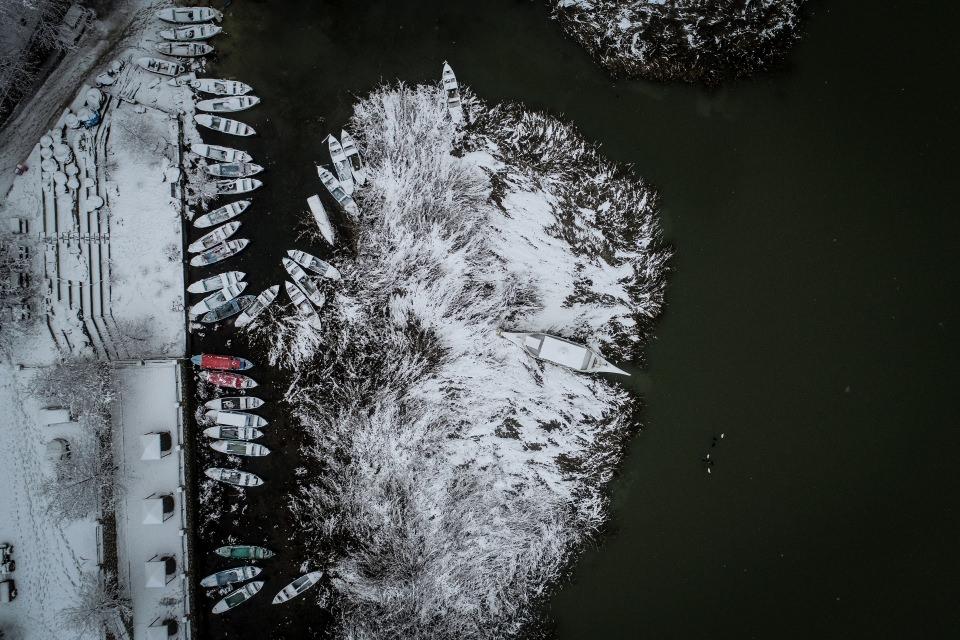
{"x":210,"y":361}
{"x":231,"y":380}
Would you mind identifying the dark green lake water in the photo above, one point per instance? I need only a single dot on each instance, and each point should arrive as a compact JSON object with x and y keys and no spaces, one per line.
{"x":811,"y":316}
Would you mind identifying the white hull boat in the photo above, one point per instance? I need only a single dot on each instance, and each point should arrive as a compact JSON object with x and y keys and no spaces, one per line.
{"x":342,"y":197}
{"x":353,"y":157}
{"x":314,"y":264}
{"x":235,"y":419}
{"x":341,"y":165}
{"x":305,"y":282}
{"x":233,"y":476}
{"x":184,"y":49}
{"x":231,"y":576}
{"x":241,"y":185}
{"x":238,"y":448}
{"x":234,"y":403}
{"x":189,"y":15}
{"x":264,"y":300}
{"x":163,"y":67}
{"x":217,"y":87}
{"x":216,"y":282}
{"x":228,"y":104}
{"x":224,"y":125}
{"x":220,"y":154}
{"x":221,"y":214}
{"x":238,"y":597}
{"x":561,"y":351}
{"x":298,"y":299}
{"x":231,"y":308}
{"x":217,"y":299}
{"x":452,"y":89}
{"x":233,"y":169}
{"x":224,"y":251}
{"x":297,"y":587}
{"x":322,"y":219}
{"x":214,"y":238}
{"x":232,"y":433}
{"x":198,"y":32}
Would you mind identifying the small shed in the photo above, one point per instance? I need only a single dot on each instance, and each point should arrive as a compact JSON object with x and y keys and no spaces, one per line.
{"x":155,"y":445}
{"x":157,"y":509}
{"x":158,"y":571}
{"x":54,"y":415}
{"x":162,"y":630}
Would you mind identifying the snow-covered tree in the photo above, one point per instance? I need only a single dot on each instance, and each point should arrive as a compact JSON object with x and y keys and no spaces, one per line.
{"x":99,"y":606}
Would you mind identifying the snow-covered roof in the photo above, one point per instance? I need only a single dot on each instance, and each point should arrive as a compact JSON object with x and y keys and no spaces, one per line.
{"x":152,"y":446}
{"x":54,"y":415}
{"x":563,"y":352}
{"x":156,"y":633}
{"x":155,"y":573}
{"x":153,"y":510}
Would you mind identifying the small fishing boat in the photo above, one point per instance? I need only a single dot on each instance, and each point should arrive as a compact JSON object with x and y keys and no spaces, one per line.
{"x":241,"y":185}
{"x":236,"y":419}
{"x":216,"y":299}
{"x":298,"y":299}
{"x":221,"y":363}
{"x":244,"y":552}
{"x":221,"y":214}
{"x":224,"y":125}
{"x":321,"y":218}
{"x":233,"y":169}
{"x":214,"y":237}
{"x":238,"y":596}
{"x":184,"y":49}
{"x":220,"y":154}
{"x":218,"y":281}
{"x":197,"y":32}
{"x":231,"y":308}
{"x":353,"y":157}
{"x":341,"y":196}
{"x":264,"y":300}
{"x":163,"y":67}
{"x":305,"y":282}
{"x":233,"y":476}
{"x":182,"y":80}
{"x":228,"y":104}
{"x":234,"y":403}
{"x":340,"y":164}
{"x":189,"y":15}
{"x":297,"y":587}
{"x":452,"y":88}
{"x":228,"y":380}
{"x":230,"y":576}
{"x":222,"y":252}
{"x":232,"y":433}
{"x":315,"y":264}
{"x":237,"y":448}
{"x":561,"y":351}
{"x":218,"y":87}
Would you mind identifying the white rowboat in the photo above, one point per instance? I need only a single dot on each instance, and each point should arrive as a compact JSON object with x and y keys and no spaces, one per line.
{"x":452,"y":89}
{"x":238,"y":597}
{"x":224,"y":125}
{"x":234,"y":403}
{"x":241,"y":185}
{"x":184,"y":49}
{"x":233,"y":169}
{"x":221,"y":214}
{"x":198,"y":32}
{"x":230,"y":308}
{"x":264,"y":300}
{"x":322,"y":219}
{"x":297,"y":587}
{"x":230,"y":576}
{"x":218,"y":281}
{"x":341,"y":165}
{"x":238,"y":448}
{"x":228,"y":104}
{"x":304,"y":281}
{"x":217,"y":299}
{"x":353,"y":157}
{"x":189,"y":15}
{"x":220,"y":154}
{"x":336,"y":190}
{"x":235,"y":419}
{"x":214,"y":238}
{"x":222,"y":252}
{"x":217,"y":87}
{"x":233,"y":476}
{"x":232,"y":433}
{"x":298,"y":299}
{"x":561,"y":351}
{"x":163,"y":67}
{"x":315,"y":264}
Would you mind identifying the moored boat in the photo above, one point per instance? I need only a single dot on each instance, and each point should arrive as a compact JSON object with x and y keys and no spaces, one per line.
{"x":297,"y":587}
{"x":244,"y":552}
{"x":230,"y":576}
{"x":189,"y":15}
{"x":264,"y":300}
{"x":233,"y":169}
{"x":298,"y":299}
{"x":163,"y":67}
{"x":240,"y":185}
{"x":218,"y":253}
{"x":340,"y":164}
{"x":197,"y":32}
{"x":217,"y":298}
{"x":561,"y":351}
{"x":228,"y":104}
{"x":336,"y":190}
{"x":218,"y":281}
{"x":224,"y":125}
{"x":218,"y":87}
{"x":219,"y":153}
{"x":227,"y":310}
{"x":352,"y":153}
{"x":305,"y":282}
{"x":233,"y":476}
{"x":184,"y":49}
{"x":452,"y":89}
{"x":238,"y":596}
{"x":232,"y":433}
{"x":313,"y":263}
{"x":238,"y":448}
{"x":235,"y":419}
{"x":228,"y":380}
{"x":214,"y":237}
{"x":322,"y":219}
{"x":221,"y":214}
{"x":234,"y":403}
{"x":221,"y":363}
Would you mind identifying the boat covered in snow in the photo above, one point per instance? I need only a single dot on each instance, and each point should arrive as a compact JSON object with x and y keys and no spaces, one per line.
{"x":218,"y":87}
{"x":218,"y":281}
{"x":221,"y":363}
{"x":220,"y":154}
{"x":233,"y":476}
{"x":244,"y":552}
{"x":336,"y":190}
{"x":236,"y":419}
{"x":228,"y":104}
{"x":231,"y":308}
{"x":218,"y":253}
{"x":340,"y":164}
{"x":297,"y":587}
{"x":234,"y":403}
{"x":163,"y":67}
{"x":230,"y":576}
{"x":196,"y":32}
{"x":232,"y":433}
{"x":217,"y":298}
{"x":305,"y":282}
{"x":221,"y":214}
{"x":189,"y":15}
{"x":315,"y":264}
{"x":452,"y":89}
{"x":241,"y":185}
{"x":322,"y":219}
{"x":233,"y":169}
{"x":238,"y":596}
{"x":264,"y":300}
{"x":352,"y":153}
{"x":298,"y":299}
{"x":228,"y":380}
{"x":184,"y":49}
{"x":561,"y":351}
{"x":238,"y":448}
{"x":224,"y":125}
{"x":214,"y":237}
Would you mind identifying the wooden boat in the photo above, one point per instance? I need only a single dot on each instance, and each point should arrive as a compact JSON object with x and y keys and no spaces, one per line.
{"x":234,"y":403}
{"x":298,"y":299}
{"x":238,"y":596}
{"x":353,"y":157}
{"x":302,"y":280}
{"x":313,"y":263}
{"x":214,"y":237}
{"x":342,"y":197}
{"x":221,"y":363}
{"x":238,"y":448}
{"x":227,"y":310}
{"x":230,"y":576}
{"x":220,"y":154}
{"x":244,"y":552}
{"x":217,"y":298}
{"x":321,"y":218}
{"x":228,"y":104}
{"x":195,"y":32}
{"x":561,"y":351}
{"x":452,"y":89}
{"x":189,"y":15}
{"x":264,"y":300}
{"x":232,"y":433}
{"x":218,"y":87}
{"x":182,"y":80}
{"x":223,"y":125}
{"x":241,"y":185}
{"x":340,"y":164}
{"x":233,"y":169}
{"x":218,"y":281}
{"x":184,"y":49}
{"x":221,"y":214}
{"x":163,"y":67}
{"x":233,"y":476}
{"x":228,"y":380}
{"x":297,"y":587}
{"x":235,"y":419}
{"x":222,"y":252}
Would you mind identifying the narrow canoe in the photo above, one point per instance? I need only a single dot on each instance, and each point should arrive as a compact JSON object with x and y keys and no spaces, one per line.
{"x":218,"y":281}
{"x":340,"y":164}
{"x":315,"y":264}
{"x":218,"y":87}
{"x":224,"y":125}
{"x":221,"y":214}
{"x":238,"y":596}
{"x":218,"y":153}
{"x":228,"y":104}
{"x":264,"y":300}
{"x":230,"y":576}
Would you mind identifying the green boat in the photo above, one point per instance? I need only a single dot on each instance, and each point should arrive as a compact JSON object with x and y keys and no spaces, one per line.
{"x":244,"y":552}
